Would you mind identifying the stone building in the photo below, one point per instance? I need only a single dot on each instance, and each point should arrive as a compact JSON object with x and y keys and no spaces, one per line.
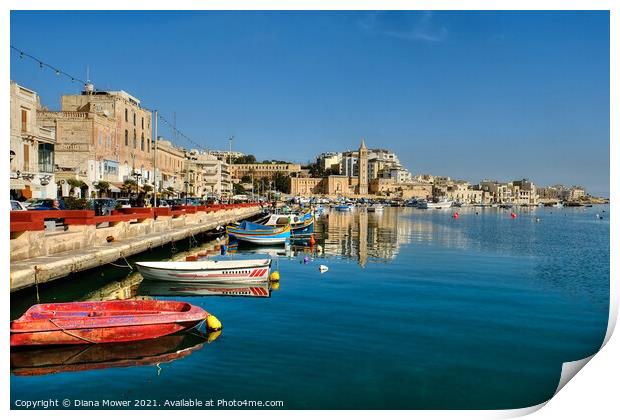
{"x":132,"y":134}
{"x":32,"y":147}
{"x":170,"y":164}
{"x":85,"y":149}
{"x":524,"y":193}
{"x":263,"y":170}
{"x":305,"y":186}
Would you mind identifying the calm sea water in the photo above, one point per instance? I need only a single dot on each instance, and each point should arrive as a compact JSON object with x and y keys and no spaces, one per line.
{"x":417,"y":311}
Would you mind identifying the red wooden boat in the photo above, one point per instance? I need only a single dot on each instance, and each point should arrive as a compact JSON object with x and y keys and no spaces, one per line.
{"x":103,"y":322}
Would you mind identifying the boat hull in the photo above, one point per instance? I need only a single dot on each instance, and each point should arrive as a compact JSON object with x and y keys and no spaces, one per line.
{"x":275,"y":236}
{"x":255,"y":273}
{"x":103,"y":322}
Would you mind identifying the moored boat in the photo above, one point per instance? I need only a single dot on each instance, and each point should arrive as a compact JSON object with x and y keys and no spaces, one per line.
{"x":226,"y":271}
{"x":259,"y":234}
{"x":343,"y":207}
{"x":300,"y":224}
{"x":375,"y":208}
{"x":103,"y":322}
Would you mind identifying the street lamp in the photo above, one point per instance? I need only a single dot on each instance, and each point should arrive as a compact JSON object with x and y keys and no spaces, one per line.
{"x":138,"y":175}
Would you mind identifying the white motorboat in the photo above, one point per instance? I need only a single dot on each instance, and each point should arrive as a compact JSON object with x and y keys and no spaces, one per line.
{"x":226,"y":271}
{"x":441,"y":204}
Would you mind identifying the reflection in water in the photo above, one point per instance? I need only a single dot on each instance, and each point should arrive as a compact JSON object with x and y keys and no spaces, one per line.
{"x":194,"y":288}
{"x":364,"y":236}
{"x":50,"y":360}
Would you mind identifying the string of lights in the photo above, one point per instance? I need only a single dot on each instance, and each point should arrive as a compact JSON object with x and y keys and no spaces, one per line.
{"x":43,"y":64}
{"x":59,"y":72}
{"x":179,"y":133}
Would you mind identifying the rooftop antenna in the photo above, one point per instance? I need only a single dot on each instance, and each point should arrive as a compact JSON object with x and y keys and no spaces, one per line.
{"x":88,"y":87}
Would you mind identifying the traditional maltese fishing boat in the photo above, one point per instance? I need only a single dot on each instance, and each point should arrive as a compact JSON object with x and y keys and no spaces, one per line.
{"x":103,"y":322}
{"x":300,"y":224}
{"x":255,"y":233}
{"x":227,"y":271}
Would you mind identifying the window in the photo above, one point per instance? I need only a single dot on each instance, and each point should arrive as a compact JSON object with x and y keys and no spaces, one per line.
{"x":26,"y":158}
{"x":24,"y":120}
{"x":134,"y":139}
{"x":142,"y":142}
{"x":143,"y":123}
{"x":126,"y":115}
{"x":148,"y":145}
{"x":126,"y":138}
{"x":134,"y":119}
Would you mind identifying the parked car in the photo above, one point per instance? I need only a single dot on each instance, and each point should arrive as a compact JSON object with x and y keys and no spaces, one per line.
{"x":102,"y":206}
{"x":45,"y":204}
{"x":122,"y":203}
{"x":17,"y":206}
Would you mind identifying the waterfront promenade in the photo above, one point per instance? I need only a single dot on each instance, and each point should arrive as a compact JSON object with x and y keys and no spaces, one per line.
{"x":84,"y":241}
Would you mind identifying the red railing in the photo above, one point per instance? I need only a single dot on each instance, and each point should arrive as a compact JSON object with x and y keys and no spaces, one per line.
{"x":33,"y":220}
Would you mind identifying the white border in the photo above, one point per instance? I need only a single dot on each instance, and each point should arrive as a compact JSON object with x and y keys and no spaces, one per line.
{"x":593,"y":394}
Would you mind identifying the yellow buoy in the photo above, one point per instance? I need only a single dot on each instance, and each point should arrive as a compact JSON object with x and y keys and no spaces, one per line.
{"x":213,"y":324}
{"x":212,"y":336}
{"x":274,"y":285}
{"x":274,"y":276}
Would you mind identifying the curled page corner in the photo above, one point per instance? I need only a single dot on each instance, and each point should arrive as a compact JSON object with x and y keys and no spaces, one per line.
{"x":570,"y":369}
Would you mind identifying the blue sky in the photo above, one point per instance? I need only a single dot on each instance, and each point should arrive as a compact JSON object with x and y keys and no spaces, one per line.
{"x":472,"y":95}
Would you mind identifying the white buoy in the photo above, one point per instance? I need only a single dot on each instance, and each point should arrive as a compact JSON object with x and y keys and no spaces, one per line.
{"x":323,"y":268}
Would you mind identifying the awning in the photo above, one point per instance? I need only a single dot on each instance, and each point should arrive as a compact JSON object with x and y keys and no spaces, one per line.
{"x":114,"y":188}
{"x":19,"y":183}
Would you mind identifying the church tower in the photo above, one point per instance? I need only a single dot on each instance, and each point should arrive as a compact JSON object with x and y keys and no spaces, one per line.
{"x":362,"y":169}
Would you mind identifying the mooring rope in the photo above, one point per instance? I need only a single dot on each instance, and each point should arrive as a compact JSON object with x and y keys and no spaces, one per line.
{"x":71,"y":334}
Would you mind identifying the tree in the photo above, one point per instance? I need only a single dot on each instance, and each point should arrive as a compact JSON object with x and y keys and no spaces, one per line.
{"x":102,"y":187}
{"x":247,"y":159}
{"x":75,"y":183}
{"x":282,"y":182}
{"x":129,"y":185}
{"x":246,"y":178}
{"x":147,"y":188}
{"x":238,"y":189}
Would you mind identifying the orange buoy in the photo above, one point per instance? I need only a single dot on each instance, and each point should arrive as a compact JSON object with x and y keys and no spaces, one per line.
{"x":312,"y":241}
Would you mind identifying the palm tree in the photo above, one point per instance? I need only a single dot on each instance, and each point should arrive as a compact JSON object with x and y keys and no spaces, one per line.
{"x":128,"y":185}
{"x":102,"y":187}
{"x":74,"y":183}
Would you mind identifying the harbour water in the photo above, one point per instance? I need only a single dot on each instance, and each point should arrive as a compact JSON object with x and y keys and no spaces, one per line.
{"x":417,"y":311}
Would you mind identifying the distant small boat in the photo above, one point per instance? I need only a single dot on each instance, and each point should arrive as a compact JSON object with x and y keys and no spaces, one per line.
{"x":103,"y":322}
{"x":343,"y":207}
{"x":225,"y":271}
{"x":506,"y":206}
{"x":441,"y":204}
{"x":259,"y":234}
